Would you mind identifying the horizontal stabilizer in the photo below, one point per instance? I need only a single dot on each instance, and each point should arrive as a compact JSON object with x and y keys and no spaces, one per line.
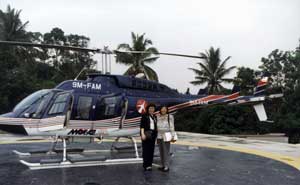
{"x":273,"y":96}
{"x":260,"y":111}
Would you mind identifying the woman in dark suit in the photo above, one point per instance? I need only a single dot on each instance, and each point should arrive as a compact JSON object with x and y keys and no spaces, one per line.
{"x":148,"y":136}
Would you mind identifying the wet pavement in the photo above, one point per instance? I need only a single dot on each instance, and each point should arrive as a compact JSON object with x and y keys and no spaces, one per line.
{"x":274,"y":147}
{"x":189,"y":165}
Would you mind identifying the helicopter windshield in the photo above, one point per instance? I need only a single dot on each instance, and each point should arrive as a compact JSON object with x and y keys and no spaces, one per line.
{"x":31,"y":99}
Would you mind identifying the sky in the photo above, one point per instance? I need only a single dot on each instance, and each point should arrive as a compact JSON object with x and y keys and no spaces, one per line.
{"x":246,"y":30}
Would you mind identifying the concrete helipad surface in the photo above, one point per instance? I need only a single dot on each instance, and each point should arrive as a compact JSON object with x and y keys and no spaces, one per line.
{"x":286,"y":153}
{"x":198,"y":159}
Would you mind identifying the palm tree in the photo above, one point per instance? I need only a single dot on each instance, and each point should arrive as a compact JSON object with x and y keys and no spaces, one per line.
{"x":11,"y":26}
{"x":138,"y":61}
{"x":212,"y":71}
{"x":13,"y":29}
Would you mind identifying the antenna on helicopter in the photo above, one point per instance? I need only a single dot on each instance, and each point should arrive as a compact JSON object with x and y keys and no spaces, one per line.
{"x":83,"y":69}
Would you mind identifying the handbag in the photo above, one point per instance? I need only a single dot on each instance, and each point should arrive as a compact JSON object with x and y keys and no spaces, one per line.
{"x":148,"y":134}
{"x":167,"y":136}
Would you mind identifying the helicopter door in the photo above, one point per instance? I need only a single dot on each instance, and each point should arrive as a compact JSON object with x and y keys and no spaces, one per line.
{"x":58,"y":114}
{"x":111,"y":106}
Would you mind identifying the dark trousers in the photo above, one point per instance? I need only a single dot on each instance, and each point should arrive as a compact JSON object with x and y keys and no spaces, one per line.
{"x":148,"y":152}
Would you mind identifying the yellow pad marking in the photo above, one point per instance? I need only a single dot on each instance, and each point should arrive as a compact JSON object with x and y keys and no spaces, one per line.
{"x":292,"y":161}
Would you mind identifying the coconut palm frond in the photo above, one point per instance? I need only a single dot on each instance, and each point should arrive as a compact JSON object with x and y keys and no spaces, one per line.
{"x":124,"y":46}
{"x":149,"y":52}
{"x":149,"y":60}
{"x":228,"y":80}
{"x":197,"y":82}
{"x":138,"y":60}
{"x":196,"y":71}
{"x":150,"y":73}
{"x":212,"y":71}
{"x":125,"y":58}
{"x":133,"y":71}
{"x":222,"y":66}
{"x":226,"y":71}
{"x":206,"y":70}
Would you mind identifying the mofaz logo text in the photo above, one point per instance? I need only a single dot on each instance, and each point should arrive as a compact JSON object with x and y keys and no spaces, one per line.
{"x":85,"y":132}
{"x":88,"y":85}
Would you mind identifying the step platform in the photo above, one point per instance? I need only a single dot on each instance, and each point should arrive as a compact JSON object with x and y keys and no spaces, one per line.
{"x":125,"y":148}
{"x":81,"y":158}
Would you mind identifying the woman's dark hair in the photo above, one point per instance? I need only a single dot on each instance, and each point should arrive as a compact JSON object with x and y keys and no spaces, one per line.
{"x":164,"y":106}
{"x":148,"y":106}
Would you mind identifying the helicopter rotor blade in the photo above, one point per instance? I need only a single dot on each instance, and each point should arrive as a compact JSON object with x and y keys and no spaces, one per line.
{"x":159,"y":53}
{"x":105,"y":51}
{"x":28,"y":44}
{"x":150,"y":58}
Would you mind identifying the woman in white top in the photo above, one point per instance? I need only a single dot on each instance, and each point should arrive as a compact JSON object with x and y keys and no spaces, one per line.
{"x":165,"y":123}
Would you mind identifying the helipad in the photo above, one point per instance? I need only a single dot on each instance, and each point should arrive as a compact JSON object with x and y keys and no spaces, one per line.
{"x":198,"y":159}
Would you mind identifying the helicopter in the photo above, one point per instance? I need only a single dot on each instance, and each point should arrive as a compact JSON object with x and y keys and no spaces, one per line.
{"x":106,"y":105}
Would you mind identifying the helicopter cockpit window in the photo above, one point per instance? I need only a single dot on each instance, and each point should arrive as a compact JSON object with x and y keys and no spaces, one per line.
{"x":83,"y":107}
{"x":108,"y":107}
{"x":31,"y":99}
{"x":59,"y":104}
{"x":42,"y":105}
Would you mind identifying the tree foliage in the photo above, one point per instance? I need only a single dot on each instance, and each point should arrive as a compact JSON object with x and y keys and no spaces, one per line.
{"x":24,"y":70}
{"x":11,"y":26}
{"x":66,"y":62}
{"x":289,"y":116}
{"x":212,"y":71}
{"x":246,"y":79}
{"x":137,"y":61}
{"x":283,"y":69}
{"x":219,"y":120}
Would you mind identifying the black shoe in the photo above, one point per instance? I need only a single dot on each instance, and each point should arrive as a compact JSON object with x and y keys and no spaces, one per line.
{"x":161,"y":168}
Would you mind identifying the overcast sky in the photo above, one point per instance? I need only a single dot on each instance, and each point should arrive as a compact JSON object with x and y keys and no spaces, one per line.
{"x":244,"y":29}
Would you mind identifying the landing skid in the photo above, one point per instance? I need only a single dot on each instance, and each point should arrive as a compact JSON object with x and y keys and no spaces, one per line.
{"x":21,"y":154}
{"x":78,"y":160}
{"x":68,"y":164}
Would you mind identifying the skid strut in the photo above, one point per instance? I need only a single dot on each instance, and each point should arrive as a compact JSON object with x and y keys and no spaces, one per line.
{"x":53,"y":145}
